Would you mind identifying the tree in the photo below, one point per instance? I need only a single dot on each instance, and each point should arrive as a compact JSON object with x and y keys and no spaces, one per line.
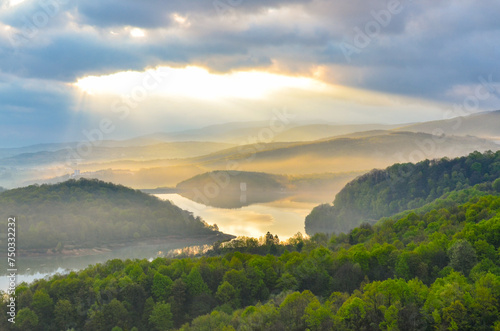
{"x":43,"y":306}
{"x":115,"y":314}
{"x":462,"y":256}
{"x":293,"y":308}
{"x":353,"y":313}
{"x":195,"y":284}
{"x":226,"y":293}
{"x":496,"y":185}
{"x":161,"y":318}
{"x":318,"y":316}
{"x":65,"y":315}
{"x":178,"y":300}
{"x":162,"y":287}
{"x":26,"y":319}
{"x":456,"y":316}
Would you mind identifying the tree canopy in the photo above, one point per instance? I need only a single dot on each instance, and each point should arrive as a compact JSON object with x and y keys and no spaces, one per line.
{"x":433,"y":268}
{"x":382,"y":193}
{"x":89,"y":213}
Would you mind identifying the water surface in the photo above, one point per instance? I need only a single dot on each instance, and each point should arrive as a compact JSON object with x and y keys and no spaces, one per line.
{"x":283,"y":217}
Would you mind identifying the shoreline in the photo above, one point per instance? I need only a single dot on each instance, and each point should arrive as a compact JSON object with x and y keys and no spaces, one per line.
{"x":97,"y":250}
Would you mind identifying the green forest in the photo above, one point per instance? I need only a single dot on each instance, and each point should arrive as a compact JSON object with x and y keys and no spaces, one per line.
{"x":88,"y":213}
{"x":435,"y":266}
{"x":427,"y":270}
{"x":400,"y":187}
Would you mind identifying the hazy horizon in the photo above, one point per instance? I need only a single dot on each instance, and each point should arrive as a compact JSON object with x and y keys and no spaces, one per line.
{"x":70,"y":68}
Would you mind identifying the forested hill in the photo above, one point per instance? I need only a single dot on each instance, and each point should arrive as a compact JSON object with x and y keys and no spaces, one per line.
{"x":88,"y":213}
{"x":400,"y":187}
{"x":436,"y":270}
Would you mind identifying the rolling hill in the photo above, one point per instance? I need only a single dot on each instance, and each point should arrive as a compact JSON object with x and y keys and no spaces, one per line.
{"x":323,"y":131}
{"x":235,"y":189}
{"x":436,"y":269}
{"x":149,"y":161}
{"x":90,"y":213}
{"x":354,"y":152}
{"x":382,"y":193}
{"x":484,"y":125}
{"x":343,"y":154}
{"x":99,"y":153}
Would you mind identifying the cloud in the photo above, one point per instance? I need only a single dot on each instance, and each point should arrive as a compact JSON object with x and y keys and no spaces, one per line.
{"x":423,"y":49}
{"x":35,"y":111}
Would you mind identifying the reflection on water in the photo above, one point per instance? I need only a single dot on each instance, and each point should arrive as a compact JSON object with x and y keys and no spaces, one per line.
{"x":283,"y":217}
{"x":235,"y":198}
{"x":31,"y":268}
{"x":277,"y":213}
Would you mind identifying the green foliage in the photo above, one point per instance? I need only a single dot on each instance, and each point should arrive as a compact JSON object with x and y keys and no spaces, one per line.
{"x":89,"y":213}
{"x":26,"y":319}
{"x":400,"y":187}
{"x":161,"y":317}
{"x":293,"y":308}
{"x":226,"y":293}
{"x":162,"y":287}
{"x":462,"y":256}
{"x":195,"y":284}
{"x":432,"y":268}
{"x":496,"y":184}
{"x":64,"y":315}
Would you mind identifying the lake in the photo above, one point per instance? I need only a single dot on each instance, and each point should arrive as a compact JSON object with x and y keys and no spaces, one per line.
{"x":281,"y":215}
{"x":36,"y":267}
{"x":284,"y":217}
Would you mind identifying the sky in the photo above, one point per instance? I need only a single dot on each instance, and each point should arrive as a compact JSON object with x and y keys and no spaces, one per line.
{"x":129,"y":68}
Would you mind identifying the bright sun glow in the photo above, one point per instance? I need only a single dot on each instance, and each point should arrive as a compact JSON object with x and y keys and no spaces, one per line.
{"x":183,"y":21}
{"x":137,"y":33}
{"x":196,"y":82}
{"x":15,"y":2}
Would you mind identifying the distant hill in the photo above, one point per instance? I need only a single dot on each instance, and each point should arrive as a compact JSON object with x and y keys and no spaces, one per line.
{"x":242,"y":132}
{"x":354,"y":152}
{"x":234,"y":132}
{"x":323,"y":131}
{"x":400,"y":187}
{"x":379,"y":149}
{"x":162,"y":150}
{"x":235,"y":189}
{"x":232,"y":181}
{"x":89,"y":213}
{"x":484,"y":125}
{"x":165,"y":159}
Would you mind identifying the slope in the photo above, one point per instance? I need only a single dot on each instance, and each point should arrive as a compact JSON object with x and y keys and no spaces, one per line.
{"x":399,"y":187}
{"x":88,"y":213}
{"x":484,"y":125}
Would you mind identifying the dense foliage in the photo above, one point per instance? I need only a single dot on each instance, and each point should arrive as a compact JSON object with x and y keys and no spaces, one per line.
{"x":426,"y":270}
{"x":89,"y":213}
{"x":401,"y":187}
